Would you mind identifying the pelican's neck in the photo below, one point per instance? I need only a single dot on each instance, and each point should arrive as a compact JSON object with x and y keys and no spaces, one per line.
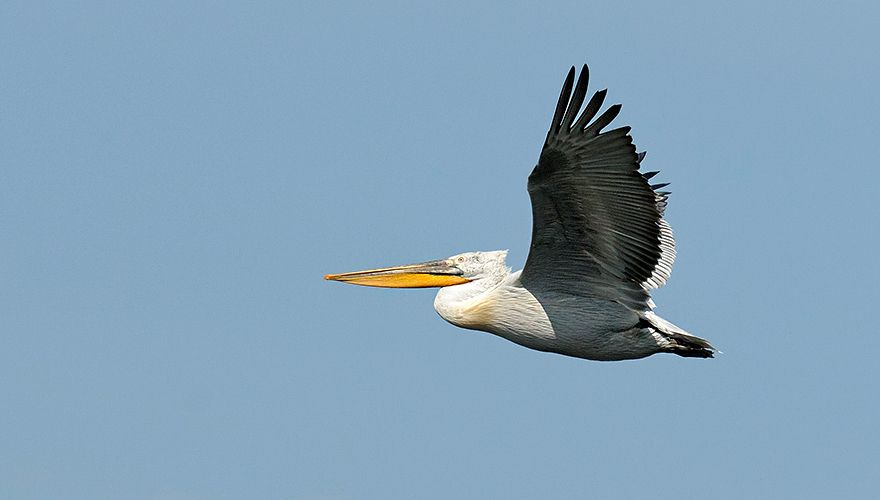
{"x":453,"y":303}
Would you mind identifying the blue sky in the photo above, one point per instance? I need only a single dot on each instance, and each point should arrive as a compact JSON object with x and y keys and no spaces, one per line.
{"x":176,"y":179}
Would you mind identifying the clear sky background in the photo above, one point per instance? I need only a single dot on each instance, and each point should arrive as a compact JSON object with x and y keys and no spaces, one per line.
{"x":175,"y":179}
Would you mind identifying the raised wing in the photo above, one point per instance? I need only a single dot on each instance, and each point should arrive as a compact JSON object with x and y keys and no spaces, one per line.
{"x":597,"y":222}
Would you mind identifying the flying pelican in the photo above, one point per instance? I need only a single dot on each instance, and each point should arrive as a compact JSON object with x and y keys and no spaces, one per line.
{"x":599,"y":245}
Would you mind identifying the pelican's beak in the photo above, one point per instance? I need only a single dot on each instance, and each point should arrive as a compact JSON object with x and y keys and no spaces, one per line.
{"x":427,"y":274}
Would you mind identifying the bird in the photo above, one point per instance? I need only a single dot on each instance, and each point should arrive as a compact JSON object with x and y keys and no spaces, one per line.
{"x":599,"y":245}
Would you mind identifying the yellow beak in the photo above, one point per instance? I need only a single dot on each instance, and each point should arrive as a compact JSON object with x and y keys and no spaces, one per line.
{"x":427,"y":274}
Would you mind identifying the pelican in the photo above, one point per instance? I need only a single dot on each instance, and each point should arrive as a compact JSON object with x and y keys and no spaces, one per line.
{"x":599,"y":245}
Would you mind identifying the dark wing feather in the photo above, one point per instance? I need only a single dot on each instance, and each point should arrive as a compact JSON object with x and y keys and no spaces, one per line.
{"x":596,"y":220}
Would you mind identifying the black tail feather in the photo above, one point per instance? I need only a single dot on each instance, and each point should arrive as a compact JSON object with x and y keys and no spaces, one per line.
{"x":689,"y":346}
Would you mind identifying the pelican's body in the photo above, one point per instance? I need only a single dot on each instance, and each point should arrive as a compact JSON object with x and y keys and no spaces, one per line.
{"x":599,"y":244}
{"x":583,"y":326}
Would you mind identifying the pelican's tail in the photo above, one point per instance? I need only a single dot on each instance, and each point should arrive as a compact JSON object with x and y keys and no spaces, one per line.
{"x":677,"y":341}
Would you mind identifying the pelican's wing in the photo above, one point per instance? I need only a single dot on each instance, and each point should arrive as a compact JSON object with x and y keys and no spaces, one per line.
{"x":597,"y":222}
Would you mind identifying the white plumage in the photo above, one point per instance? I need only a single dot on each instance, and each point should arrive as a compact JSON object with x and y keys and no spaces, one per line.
{"x":599,"y":245}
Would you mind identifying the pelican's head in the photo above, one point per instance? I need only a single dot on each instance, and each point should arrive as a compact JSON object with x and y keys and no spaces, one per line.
{"x":455,"y":270}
